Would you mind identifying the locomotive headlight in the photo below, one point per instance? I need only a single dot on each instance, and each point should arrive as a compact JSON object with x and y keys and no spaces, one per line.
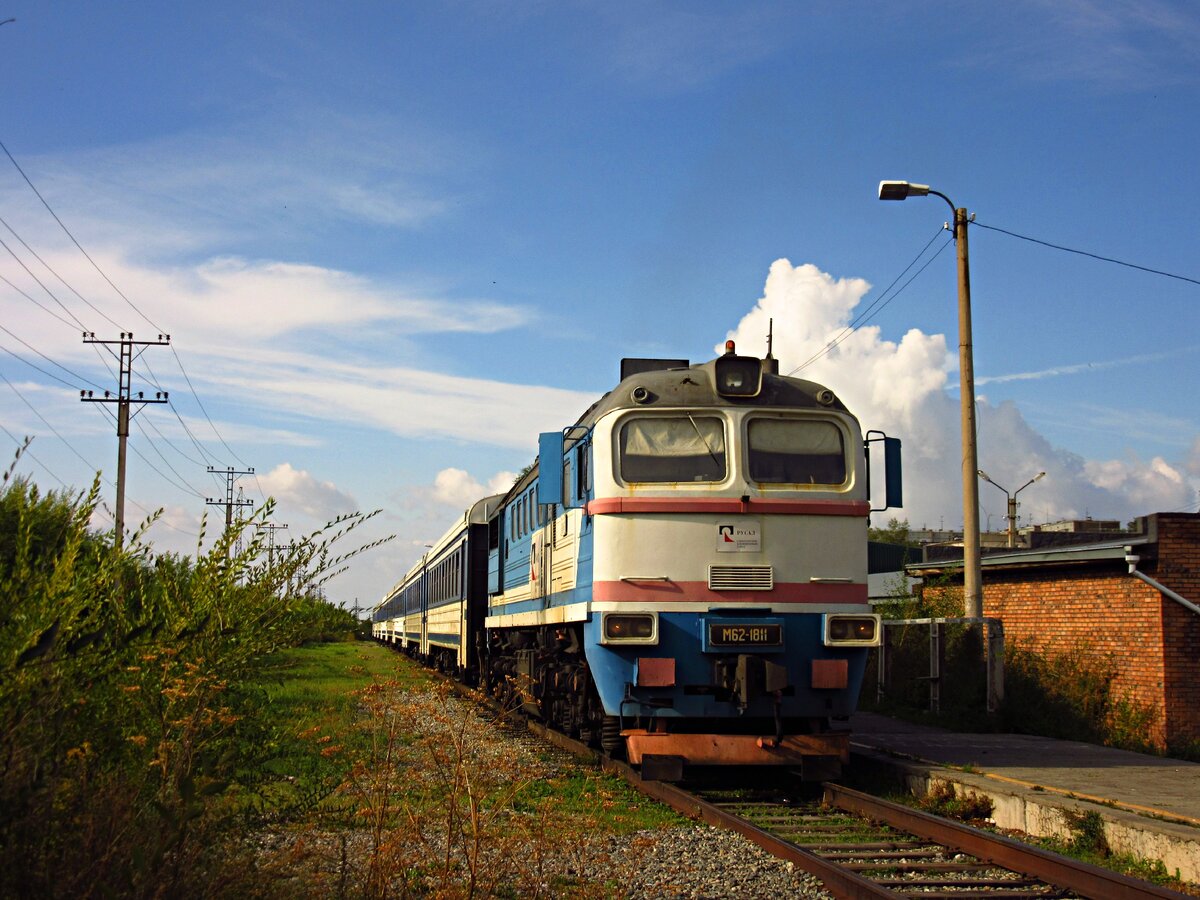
{"x":738,"y":376}
{"x":851,"y":631}
{"x":629,"y":628}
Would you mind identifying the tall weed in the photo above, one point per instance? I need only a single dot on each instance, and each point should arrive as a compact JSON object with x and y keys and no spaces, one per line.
{"x":127,"y":702}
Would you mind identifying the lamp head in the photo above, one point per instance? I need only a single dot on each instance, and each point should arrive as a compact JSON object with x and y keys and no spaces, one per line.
{"x":901,"y":190}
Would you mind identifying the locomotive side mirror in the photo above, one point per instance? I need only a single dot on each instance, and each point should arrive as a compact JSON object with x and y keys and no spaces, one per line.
{"x":550,"y":469}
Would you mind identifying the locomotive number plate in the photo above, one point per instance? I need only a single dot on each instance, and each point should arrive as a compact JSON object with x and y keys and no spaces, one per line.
{"x":729,"y":634}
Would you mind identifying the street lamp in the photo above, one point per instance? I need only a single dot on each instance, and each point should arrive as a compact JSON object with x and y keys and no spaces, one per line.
{"x":972,"y":574}
{"x":1012,"y":502}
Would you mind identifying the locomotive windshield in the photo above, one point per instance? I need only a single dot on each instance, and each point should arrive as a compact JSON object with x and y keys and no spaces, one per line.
{"x":678,"y":448}
{"x":792,"y":451}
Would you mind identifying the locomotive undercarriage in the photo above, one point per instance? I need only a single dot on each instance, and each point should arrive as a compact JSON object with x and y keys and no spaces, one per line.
{"x":544,"y":672}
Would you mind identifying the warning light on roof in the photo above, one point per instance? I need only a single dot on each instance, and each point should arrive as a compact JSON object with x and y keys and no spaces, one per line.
{"x":729,"y":351}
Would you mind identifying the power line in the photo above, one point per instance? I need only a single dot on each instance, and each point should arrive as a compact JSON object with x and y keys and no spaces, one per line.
{"x":120,"y":293}
{"x":62,"y":280}
{"x":85,"y":461}
{"x":171,"y":443}
{"x":1108,"y":259}
{"x":182,"y":484}
{"x":33,"y":409}
{"x":17,"y":356}
{"x":208,"y":457}
{"x":880,"y":303}
{"x":67,"y":232}
{"x":49,"y":360}
{"x":44,"y":309}
{"x":201,"y":405}
{"x":29,"y":272}
{"x":27,"y":452}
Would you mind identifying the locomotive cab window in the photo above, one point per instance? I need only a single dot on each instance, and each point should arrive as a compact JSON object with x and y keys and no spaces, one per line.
{"x":674,"y":449}
{"x":795,"y":451}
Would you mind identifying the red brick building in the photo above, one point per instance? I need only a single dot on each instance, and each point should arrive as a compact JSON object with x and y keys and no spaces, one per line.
{"x":1085,"y":597}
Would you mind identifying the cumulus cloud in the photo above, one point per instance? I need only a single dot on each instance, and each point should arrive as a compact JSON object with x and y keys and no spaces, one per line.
{"x":900,"y":388}
{"x":300,"y":490}
{"x":458,"y":488}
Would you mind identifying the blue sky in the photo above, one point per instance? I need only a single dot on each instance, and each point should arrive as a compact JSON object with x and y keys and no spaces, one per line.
{"x":391,"y":242}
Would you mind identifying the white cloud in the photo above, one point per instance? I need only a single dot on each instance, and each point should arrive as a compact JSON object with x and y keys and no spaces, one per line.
{"x":901,"y":387}
{"x":296,"y":488}
{"x":458,"y":488}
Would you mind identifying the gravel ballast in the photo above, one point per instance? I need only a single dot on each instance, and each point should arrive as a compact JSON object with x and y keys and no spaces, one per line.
{"x":681,"y":861}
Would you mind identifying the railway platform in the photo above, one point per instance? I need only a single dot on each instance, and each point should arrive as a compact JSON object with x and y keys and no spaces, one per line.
{"x":1150,"y":805}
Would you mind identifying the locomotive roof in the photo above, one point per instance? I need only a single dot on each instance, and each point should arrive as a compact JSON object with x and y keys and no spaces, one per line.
{"x":696,"y":386}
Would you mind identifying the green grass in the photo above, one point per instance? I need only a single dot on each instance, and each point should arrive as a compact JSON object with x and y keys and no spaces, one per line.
{"x":309,"y":712}
{"x":608,"y":803}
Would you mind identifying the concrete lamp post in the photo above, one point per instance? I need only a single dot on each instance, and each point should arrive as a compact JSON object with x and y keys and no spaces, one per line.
{"x":1012,"y":502}
{"x":972,"y":574}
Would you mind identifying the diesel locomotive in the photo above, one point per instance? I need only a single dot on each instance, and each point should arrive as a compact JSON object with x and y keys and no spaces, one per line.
{"x":681,"y":574}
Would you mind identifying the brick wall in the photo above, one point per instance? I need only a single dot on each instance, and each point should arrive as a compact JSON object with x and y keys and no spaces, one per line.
{"x":1151,"y":642}
{"x":1106,"y":614}
{"x":1178,"y":567}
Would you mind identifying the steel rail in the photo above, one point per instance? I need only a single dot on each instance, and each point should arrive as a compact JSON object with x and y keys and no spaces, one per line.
{"x":1060,"y":871}
{"x":839,"y":881}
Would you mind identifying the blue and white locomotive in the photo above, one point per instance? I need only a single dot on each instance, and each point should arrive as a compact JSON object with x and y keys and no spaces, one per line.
{"x":682,"y":572}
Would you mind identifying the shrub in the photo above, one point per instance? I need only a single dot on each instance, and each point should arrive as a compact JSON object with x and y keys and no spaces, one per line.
{"x":126,"y":691}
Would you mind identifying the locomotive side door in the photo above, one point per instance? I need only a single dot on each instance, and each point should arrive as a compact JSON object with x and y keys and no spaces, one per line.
{"x":539,"y":566}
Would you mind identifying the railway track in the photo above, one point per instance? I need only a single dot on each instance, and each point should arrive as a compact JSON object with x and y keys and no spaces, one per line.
{"x":862,"y":846}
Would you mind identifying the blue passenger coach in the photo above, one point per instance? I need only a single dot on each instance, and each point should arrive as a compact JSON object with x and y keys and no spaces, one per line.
{"x":682,"y":573}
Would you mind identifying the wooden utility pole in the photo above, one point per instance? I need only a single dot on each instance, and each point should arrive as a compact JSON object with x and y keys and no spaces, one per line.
{"x":123,"y":398}
{"x":271,"y":528}
{"x":229,"y":502}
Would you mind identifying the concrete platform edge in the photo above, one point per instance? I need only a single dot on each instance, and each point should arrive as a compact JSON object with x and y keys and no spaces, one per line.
{"x":1045,"y":814}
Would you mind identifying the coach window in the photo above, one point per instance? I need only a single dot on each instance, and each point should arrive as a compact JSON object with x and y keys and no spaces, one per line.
{"x":675,"y":449}
{"x":793,"y":451}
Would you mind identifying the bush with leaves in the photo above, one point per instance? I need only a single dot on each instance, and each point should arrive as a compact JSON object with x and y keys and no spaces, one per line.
{"x":127,"y":701}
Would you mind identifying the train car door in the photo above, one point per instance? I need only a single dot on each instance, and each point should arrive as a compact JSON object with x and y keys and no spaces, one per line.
{"x":539,"y":572}
{"x":423,"y":645}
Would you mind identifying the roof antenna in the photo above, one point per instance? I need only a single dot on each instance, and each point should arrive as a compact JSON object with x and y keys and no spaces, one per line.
{"x":770,"y":363}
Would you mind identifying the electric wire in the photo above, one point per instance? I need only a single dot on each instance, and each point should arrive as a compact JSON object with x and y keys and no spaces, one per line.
{"x":85,"y":461}
{"x":208,"y":458}
{"x":36,"y":303}
{"x":199,"y":403}
{"x":62,"y":280}
{"x":53,"y":296}
{"x":33,"y":409}
{"x":67,"y":232}
{"x":120,"y":293}
{"x":1108,"y":259}
{"x":27,"y":452}
{"x":49,"y":360}
{"x":172,"y":444}
{"x":182,"y":484}
{"x":17,"y":356}
{"x":880,"y":303}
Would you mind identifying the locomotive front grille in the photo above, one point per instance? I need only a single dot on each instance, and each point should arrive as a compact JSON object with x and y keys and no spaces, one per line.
{"x":741,"y":578}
